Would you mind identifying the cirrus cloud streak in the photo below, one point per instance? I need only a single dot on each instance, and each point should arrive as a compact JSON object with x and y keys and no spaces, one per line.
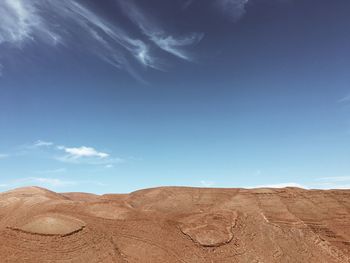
{"x":74,"y":24}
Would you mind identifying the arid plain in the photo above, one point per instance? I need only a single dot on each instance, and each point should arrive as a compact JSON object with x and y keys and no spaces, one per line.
{"x":176,"y":225}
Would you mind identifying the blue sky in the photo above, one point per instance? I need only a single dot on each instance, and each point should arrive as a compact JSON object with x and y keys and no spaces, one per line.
{"x":118,"y":95}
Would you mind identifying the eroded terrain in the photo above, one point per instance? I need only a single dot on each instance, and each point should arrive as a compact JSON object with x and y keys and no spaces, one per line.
{"x":176,"y":225}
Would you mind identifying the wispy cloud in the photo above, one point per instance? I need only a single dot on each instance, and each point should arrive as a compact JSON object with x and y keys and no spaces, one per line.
{"x":87,"y":155}
{"x":67,"y":22}
{"x":83,"y":151}
{"x":174,"y":45}
{"x":108,"y":37}
{"x":153,"y":30}
{"x":21,"y":22}
{"x":234,"y":9}
{"x":74,"y":155}
{"x":40,"y":143}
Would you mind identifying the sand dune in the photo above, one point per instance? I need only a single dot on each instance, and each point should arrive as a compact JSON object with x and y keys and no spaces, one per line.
{"x":176,"y":225}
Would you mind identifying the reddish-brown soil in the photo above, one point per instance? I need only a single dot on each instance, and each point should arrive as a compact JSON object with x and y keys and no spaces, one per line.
{"x":176,"y":225}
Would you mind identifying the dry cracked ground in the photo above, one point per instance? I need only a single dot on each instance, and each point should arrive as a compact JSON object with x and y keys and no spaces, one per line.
{"x":176,"y":225}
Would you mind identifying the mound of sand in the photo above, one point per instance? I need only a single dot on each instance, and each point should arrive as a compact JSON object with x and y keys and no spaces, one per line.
{"x":28,"y":196}
{"x":210,"y":229}
{"x":52,"y":224}
{"x":32,"y":191}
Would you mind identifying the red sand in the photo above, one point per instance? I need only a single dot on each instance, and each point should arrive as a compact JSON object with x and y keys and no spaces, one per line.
{"x":176,"y":225}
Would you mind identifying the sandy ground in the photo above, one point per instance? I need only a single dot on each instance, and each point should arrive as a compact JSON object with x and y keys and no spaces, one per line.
{"x":176,"y":225}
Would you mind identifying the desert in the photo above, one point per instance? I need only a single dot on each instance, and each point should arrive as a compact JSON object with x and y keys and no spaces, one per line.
{"x":174,"y":131}
{"x":176,"y":224}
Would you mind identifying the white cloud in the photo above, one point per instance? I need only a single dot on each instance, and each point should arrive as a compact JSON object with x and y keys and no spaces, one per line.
{"x":87,"y":155}
{"x":174,"y":45}
{"x":76,"y":155}
{"x":107,"y":35}
{"x":73,"y":152}
{"x":165,"y":41}
{"x":23,"y":22}
{"x":83,"y":151}
{"x":64,"y":22}
{"x":40,"y":143}
{"x":18,"y":21}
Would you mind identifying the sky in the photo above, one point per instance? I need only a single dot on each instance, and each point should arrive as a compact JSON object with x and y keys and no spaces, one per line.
{"x":120,"y":95}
